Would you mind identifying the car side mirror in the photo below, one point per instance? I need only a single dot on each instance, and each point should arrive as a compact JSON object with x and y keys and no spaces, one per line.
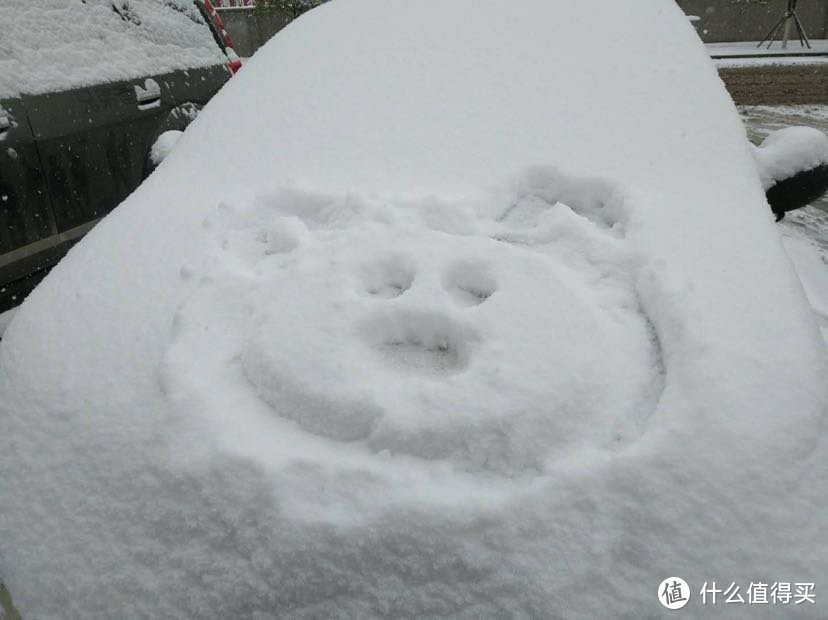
{"x":793,"y":166}
{"x":797,"y":191}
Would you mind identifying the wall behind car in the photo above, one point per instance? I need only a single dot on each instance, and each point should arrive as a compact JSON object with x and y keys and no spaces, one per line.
{"x":250,"y":28}
{"x":750,"y":20}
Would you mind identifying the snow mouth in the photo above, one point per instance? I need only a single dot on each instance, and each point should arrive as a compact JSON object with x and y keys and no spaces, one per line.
{"x":499,"y":336}
{"x":429,"y":344}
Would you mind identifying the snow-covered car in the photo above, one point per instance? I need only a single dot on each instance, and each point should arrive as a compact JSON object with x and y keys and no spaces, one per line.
{"x":487,"y":316}
{"x":87,"y":87}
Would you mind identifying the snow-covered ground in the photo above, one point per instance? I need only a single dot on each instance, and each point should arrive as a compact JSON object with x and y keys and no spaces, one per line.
{"x":760,"y":120}
{"x":467,"y":326}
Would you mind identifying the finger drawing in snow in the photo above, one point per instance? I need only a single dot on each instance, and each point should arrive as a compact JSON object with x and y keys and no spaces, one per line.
{"x":503,"y":346}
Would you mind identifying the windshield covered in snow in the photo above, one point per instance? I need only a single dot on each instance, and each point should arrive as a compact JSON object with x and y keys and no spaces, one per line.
{"x":53,"y":45}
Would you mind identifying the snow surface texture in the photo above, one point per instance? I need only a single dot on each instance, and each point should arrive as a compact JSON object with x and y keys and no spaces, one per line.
{"x":468,"y":326}
{"x":806,"y":242}
{"x":5,"y":319}
{"x":52,"y":45}
{"x":812,"y":268}
{"x":789,"y":151}
{"x":418,"y":298}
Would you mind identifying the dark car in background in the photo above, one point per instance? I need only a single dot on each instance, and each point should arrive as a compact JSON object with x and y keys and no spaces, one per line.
{"x":86,"y":89}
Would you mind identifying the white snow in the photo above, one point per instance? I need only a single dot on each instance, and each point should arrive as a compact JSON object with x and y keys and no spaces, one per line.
{"x":812,"y":268}
{"x":51,"y":45}
{"x":164,"y":145}
{"x":467,"y":325}
{"x":787,"y":151}
{"x":813,"y":114}
{"x":805,"y":233}
{"x":419,"y":303}
{"x":5,"y":319}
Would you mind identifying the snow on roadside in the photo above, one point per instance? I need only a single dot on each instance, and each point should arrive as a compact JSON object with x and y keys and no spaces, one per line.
{"x":763,"y":119}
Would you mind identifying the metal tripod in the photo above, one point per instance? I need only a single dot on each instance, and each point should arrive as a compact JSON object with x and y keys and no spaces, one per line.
{"x":789,"y":16}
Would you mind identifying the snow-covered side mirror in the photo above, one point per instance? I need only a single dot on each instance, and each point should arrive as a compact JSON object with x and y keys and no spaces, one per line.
{"x":793,"y":166}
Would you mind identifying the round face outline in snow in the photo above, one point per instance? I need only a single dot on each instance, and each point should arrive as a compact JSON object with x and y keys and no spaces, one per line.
{"x":487,"y":347}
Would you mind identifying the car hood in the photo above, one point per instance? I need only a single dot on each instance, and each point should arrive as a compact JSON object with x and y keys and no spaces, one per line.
{"x":437,"y":308}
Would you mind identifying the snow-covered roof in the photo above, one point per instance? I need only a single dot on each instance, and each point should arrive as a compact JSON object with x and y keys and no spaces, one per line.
{"x":53,"y":45}
{"x":474,"y":319}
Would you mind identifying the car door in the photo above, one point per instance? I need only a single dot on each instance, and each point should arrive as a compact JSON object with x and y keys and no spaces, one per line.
{"x":197,"y":85}
{"x":27,"y":226}
{"x":93,"y":143}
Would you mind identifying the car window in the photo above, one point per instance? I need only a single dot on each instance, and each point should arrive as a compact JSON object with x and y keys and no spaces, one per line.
{"x":53,"y":45}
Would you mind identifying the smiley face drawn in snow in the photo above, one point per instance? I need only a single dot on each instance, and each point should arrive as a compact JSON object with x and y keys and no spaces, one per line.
{"x":498,"y":347}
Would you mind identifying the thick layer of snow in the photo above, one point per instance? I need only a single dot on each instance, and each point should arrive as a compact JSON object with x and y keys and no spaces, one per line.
{"x":52,"y":45}
{"x":813,"y":272}
{"x":5,"y":319}
{"x":468,"y":325}
{"x":418,"y":299}
{"x":806,"y":242}
{"x":788,"y":151}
